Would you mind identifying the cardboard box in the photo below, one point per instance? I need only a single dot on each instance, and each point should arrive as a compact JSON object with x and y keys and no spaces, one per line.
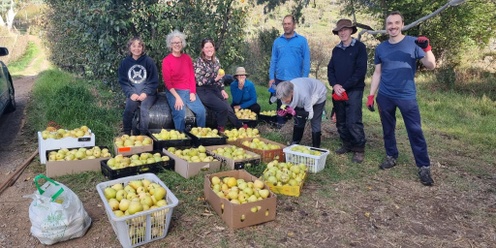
{"x":232,"y":213}
{"x":60,"y":168}
{"x":130,"y":150}
{"x":235,"y":164}
{"x":267,"y":155}
{"x":189,"y":169}
{"x":53,"y":144}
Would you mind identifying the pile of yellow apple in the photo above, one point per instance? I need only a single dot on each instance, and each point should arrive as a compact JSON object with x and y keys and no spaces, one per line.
{"x":169,"y":135}
{"x":132,"y":140}
{"x":268,"y":112}
{"x":194,"y":155}
{"x":245,"y":114}
{"x":284,"y":173}
{"x":260,"y":145}
{"x":238,"y":191}
{"x":82,"y":153}
{"x":306,"y":150}
{"x":54,"y":133}
{"x":120,"y":161}
{"x":137,"y":196}
{"x":241,"y":133}
{"x":232,"y":152}
{"x":204,"y":132}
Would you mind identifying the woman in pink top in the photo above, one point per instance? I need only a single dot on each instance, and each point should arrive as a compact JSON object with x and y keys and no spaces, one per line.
{"x":179,"y":79}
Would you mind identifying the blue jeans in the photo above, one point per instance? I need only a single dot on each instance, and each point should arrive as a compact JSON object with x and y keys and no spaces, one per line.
{"x":411,"y":116}
{"x":144,"y":118}
{"x":179,"y":115}
{"x":349,"y":121}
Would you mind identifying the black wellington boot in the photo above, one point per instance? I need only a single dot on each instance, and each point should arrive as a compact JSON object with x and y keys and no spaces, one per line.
{"x":297,"y":135}
{"x":316,"y":139}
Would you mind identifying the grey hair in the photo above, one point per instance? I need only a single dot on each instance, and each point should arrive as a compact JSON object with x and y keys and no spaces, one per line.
{"x":284,"y":89}
{"x":173,"y":34}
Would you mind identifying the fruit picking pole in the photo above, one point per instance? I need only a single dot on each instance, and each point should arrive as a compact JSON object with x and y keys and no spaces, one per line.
{"x":451,"y":3}
{"x":11,"y":180}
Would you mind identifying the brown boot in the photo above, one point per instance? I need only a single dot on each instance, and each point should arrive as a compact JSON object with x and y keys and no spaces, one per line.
{"x":358,"y":157}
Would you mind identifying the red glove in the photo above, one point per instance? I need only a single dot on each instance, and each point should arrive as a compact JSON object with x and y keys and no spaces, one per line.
{"x":370,"y":103}
{"x":343,"y":97}
{"x":423,"y":42}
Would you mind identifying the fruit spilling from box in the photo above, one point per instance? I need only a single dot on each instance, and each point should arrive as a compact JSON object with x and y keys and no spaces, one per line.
{"x":80,"y":153}
{"x":314,"y":158}
{"x":245,"y":114}
{"x":53,"y":139}
{"x":75,"y":160}
{"x":193,"y":154}
{"x":241,"y":133}
{"x":234,"y":157}
{"x":54,"y":133}
{"x":123,"y":166}
{"x":132,"y":144}
{"x":163,"y":138}
{"x":190,"y":161}
{"x":139,"y":208}
{"x":206,"y":136}
{"x":267,"y":149}
{"x":239,"y":198}
{"x":284,"y":177}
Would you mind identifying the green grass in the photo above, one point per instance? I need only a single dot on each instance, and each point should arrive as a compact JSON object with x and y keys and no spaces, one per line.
{"x":72,"y":102}
{"x":19,"y":65}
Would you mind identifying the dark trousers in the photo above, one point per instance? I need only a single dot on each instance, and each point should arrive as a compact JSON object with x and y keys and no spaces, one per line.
{"x":212,"y":99}
{"x":144,"y":118}
{"x":316,"y":121}
{"x":411,"y":116}
{"x":349,"y":121}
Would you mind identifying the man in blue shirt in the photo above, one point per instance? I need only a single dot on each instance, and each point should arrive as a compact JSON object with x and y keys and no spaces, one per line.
{"x":290,"y":57}
{"x":395,"y":64}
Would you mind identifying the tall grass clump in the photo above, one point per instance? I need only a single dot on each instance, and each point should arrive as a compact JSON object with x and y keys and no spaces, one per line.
{"x":17,"y":66}
{"x":70,"y":102}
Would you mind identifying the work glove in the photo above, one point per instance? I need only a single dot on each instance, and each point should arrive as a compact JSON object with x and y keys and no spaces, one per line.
{"x":370,"y":103}
{"x":343,"y":97}
{"x":423,"y":42}
{"x":286,"y":111}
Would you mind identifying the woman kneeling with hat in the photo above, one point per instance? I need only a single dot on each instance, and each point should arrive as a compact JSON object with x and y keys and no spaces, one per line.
{"x":244,"y":95}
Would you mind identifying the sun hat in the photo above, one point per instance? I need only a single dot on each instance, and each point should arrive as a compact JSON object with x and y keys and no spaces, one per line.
{"x":344,"y":23}
{"x":240,"y":71}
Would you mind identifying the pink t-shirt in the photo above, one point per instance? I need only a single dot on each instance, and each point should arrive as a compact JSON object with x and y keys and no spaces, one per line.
{"x":178,"y":73}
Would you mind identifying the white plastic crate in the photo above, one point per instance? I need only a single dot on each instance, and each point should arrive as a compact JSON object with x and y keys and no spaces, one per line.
{"x":315,"y":163}
{"x":45,"y":145}
{"x":142,"y":227}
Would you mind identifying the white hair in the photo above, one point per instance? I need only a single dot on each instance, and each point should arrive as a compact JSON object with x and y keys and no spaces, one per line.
{"x":173,"y":34}
{"x":284,"y":89}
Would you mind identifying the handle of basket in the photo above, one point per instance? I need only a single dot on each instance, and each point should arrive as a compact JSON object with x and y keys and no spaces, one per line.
{"x":42,"y":176}
{"x":317,"y":149}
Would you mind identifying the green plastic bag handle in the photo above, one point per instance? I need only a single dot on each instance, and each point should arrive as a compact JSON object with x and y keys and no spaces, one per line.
{"x":41,"y":191}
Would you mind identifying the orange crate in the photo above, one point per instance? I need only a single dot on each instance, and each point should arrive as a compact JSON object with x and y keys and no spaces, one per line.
{"x":266,"y":155}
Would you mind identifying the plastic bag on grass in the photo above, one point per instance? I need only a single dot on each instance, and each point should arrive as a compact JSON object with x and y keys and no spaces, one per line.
{"x":56,"y":213}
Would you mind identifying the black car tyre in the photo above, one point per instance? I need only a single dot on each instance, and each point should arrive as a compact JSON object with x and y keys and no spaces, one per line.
{"x":11,"y":107}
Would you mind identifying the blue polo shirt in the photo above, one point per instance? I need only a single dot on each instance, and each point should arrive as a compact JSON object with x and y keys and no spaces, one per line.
{"x":290,"y":58}
{"x":398,"y":63}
